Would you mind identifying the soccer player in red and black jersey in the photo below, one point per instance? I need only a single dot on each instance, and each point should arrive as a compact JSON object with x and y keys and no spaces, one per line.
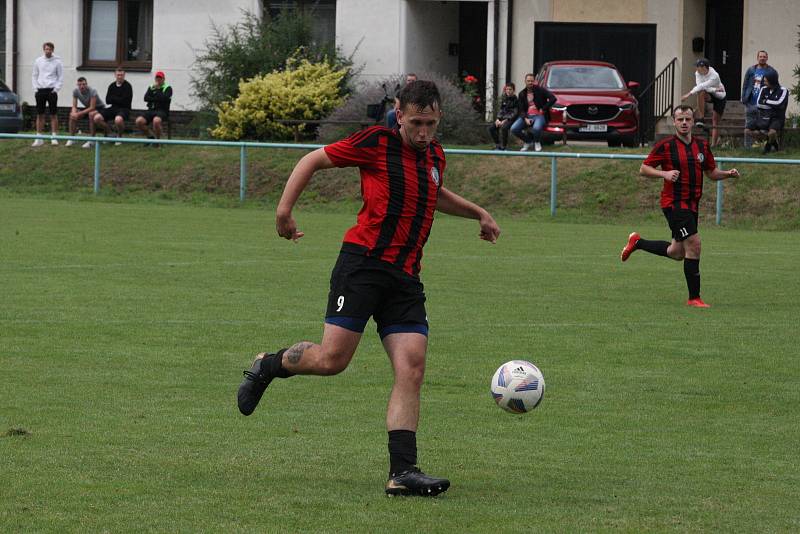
{"x":683,"y":161}
{"x":377,"y":272}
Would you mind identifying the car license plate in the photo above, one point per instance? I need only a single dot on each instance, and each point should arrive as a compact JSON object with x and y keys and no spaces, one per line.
{"x":7,"y":107}
{"x":594,"y":128}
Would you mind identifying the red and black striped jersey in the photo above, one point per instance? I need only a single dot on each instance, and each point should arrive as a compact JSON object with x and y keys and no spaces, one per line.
{"x":691,"y":160}
{"x":399,"y":187}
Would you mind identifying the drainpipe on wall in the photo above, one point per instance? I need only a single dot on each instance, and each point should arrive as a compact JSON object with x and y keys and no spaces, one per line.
{"x":14,"y":46}
{"x":495,"y":69}
{"x":491,"y":59}
{"x":509,"y":28}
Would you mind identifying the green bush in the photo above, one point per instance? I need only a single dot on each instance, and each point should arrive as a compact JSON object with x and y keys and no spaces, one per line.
{"x":461,"y":124}
{"x":303,"y":91}
{"x":253,"y":47}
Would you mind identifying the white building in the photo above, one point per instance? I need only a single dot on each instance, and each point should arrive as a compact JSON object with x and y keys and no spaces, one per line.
{"x":494,"y":40}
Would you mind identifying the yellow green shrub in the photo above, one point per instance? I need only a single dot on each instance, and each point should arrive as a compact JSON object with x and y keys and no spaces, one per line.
{"x":304,"y":91}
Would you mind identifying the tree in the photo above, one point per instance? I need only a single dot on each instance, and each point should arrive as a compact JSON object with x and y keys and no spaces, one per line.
{"x":253,"y":47}
{"x":301,"y":91}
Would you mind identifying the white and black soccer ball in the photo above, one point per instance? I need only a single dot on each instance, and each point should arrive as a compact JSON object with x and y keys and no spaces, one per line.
{"x":518,"y":386}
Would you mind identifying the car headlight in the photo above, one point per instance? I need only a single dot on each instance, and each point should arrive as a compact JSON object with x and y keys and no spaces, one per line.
{"x":627,"y":106}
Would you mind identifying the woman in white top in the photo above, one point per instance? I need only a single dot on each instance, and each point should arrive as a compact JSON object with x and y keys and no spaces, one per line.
{"x":708,"y":86}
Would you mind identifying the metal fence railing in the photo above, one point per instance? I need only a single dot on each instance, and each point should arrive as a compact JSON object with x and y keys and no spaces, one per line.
{"x":243,"y":147}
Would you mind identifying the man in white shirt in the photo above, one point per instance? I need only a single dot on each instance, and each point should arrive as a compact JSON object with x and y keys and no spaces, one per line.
{"x":47,"y":78}
{"x":708,"y":86}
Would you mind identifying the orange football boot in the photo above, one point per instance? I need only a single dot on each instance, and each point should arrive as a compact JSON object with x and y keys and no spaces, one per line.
{"x":697,"y":303}
{"x":630,"y":247}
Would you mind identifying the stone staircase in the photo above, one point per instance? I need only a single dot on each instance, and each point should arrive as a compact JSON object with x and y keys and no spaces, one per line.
{"x":731,"y":126}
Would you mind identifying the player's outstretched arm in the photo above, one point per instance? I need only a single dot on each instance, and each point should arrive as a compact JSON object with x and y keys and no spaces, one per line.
{"x":719,"y":174}
{"x":453,"y":204}
{"x":297,"y":182}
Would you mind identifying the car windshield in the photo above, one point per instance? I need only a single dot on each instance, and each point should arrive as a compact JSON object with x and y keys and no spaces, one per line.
{"x":584,"y":77}
{"x":4,"y":88}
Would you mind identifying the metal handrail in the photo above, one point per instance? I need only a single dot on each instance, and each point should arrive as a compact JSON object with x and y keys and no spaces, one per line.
{"x":662,"y":89}
{"x":244,"y":145}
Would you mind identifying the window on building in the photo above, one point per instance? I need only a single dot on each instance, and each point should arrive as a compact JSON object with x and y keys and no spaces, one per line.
{"x":118,"y":32}
{"x":323,"y":16}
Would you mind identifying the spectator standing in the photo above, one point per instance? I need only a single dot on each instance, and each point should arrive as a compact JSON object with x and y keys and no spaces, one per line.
{"x":505,"y":117}
{"x":391,"y":115}
{"x":533,"y":110}
{"x":708,"y":87}
{"x":772,"y":102}
{"x":158,"y":98}
{"x":47,"y":78}
{"x":119,"y":99}
{"x":90,"y":102}
{"x":750,"y":88}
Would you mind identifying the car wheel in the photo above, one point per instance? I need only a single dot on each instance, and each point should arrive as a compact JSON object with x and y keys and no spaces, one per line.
{"x":631,"y":141}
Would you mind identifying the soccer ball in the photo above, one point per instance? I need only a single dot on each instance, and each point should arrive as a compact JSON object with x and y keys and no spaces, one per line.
{"x":518,"y":386}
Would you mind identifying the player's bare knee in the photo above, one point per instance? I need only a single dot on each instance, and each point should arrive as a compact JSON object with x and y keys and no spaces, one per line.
{"x":333,"y":360}
{"x":333,"y":364}
{"x":411,"y":372}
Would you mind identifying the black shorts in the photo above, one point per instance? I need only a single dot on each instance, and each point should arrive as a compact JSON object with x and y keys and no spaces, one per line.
{"x":110,"y":113}
{"x":364,"y":287}
{"x":718,"y":103}
{"x":46,"y":98}
{"x":683,"y":223}
{"x":150,"y":114}
{"x":766,"y":124}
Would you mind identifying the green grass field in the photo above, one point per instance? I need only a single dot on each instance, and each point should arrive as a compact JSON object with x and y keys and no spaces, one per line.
{"x":124,"y":329}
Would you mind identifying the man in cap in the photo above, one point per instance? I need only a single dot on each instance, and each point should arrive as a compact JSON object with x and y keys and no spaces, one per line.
{"x":158,"y":98}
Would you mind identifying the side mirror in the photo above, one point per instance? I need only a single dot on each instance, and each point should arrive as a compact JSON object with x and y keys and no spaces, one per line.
{"x":633,"y":85}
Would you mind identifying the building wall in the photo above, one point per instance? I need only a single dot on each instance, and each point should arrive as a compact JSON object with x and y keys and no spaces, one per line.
{"x":525,"y":15}
{"x":177,"y":32}
{"x":771,"y":25}
{"x":630,"y":11}
{"x":430,"y":27}
{"x":372,"y":32}
{"x":693,"y":25}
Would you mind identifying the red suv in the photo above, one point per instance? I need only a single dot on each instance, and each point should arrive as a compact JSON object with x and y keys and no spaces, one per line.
{"x":594,"y":102}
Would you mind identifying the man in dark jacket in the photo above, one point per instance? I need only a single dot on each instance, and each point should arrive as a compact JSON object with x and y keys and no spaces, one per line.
{"x":772,"y":101}
{"x":505,"y":117}
{"x":158,"y":98}
{"x":119,"y":99}
{"x":534,"y":103}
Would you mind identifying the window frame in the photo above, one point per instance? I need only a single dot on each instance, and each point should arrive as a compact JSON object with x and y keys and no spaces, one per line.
{"x":128,"y":65}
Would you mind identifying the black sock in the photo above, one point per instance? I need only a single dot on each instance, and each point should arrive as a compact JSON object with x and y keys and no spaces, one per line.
{"x":274,"y":365}
{"x":402,"y":451}
{"x":659,"y":248}
{"x":691,"y":269}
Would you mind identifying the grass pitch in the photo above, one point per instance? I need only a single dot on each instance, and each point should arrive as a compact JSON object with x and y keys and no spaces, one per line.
{"x":124,"y":329}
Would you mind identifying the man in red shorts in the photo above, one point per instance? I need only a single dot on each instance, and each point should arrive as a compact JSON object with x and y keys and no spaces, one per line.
{"x":377,"y":273}
{"x":683,"y":160}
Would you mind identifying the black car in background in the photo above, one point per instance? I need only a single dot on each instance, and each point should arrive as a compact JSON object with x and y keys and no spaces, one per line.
{"x":10,"y":111}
